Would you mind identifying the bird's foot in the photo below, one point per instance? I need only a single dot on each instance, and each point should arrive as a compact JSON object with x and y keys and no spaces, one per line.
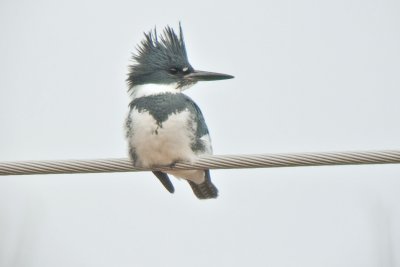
{"x":166,"y":166}
{"x":173,"y":164}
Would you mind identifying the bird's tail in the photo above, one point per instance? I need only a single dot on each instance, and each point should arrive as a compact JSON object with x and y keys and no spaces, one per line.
{"x":206,"y":189}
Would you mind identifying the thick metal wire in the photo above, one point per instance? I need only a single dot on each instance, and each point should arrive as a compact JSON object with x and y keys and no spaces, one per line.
{"x":204,"y":162}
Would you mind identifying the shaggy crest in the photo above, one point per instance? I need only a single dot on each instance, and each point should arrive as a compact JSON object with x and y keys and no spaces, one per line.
{"x":157,"y":54}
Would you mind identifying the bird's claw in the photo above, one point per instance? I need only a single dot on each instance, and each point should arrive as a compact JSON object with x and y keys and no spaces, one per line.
{"x":173,"y":164}
{"x":166,"y":166}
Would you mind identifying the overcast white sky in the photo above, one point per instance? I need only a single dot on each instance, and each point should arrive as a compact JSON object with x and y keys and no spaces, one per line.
{"x":310,"y":76}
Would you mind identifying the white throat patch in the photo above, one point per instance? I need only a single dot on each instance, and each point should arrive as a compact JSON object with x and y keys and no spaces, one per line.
{"x":156,"y":89}
{"x":153,"y":89}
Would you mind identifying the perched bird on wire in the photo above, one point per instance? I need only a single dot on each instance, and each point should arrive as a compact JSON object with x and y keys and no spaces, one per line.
{"x":164,"y":125}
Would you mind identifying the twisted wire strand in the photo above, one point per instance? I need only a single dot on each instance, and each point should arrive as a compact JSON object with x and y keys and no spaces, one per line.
{"x":204,"y":162}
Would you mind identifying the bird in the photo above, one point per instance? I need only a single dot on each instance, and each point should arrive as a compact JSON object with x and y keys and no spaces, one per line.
{"x":165,"y":126}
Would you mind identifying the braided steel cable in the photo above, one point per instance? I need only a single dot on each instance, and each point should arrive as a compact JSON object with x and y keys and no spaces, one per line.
{"x":204,"y":162}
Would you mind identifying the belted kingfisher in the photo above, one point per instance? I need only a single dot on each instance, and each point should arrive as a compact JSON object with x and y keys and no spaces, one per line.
{"x":164,"y":125}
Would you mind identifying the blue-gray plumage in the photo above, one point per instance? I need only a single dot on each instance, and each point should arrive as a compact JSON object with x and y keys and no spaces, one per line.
{"x":164,"y":125}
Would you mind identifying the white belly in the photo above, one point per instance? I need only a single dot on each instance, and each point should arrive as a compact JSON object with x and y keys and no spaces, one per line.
{"x":157,"y":145}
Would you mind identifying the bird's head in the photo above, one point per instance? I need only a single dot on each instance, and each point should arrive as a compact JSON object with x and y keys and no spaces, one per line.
{"x":162,"y":60}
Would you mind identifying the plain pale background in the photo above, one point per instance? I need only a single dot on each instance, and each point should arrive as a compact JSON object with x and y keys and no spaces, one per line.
{"x":310,"y":76}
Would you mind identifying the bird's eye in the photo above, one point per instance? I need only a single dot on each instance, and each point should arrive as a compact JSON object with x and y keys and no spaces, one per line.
{"x":186,"y":70}
{"x":173,"y":70}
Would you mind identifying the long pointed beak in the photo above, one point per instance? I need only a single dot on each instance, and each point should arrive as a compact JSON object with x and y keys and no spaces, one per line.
{"x":199,"y":75}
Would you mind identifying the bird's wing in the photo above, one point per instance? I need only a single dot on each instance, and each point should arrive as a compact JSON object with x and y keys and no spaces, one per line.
{"x":201,"y":123}
{"x":202,"y":142}
{"x":164,"y":179}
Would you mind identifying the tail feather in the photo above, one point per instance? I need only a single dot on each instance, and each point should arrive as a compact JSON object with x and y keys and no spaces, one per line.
{"x":206,"y":189}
